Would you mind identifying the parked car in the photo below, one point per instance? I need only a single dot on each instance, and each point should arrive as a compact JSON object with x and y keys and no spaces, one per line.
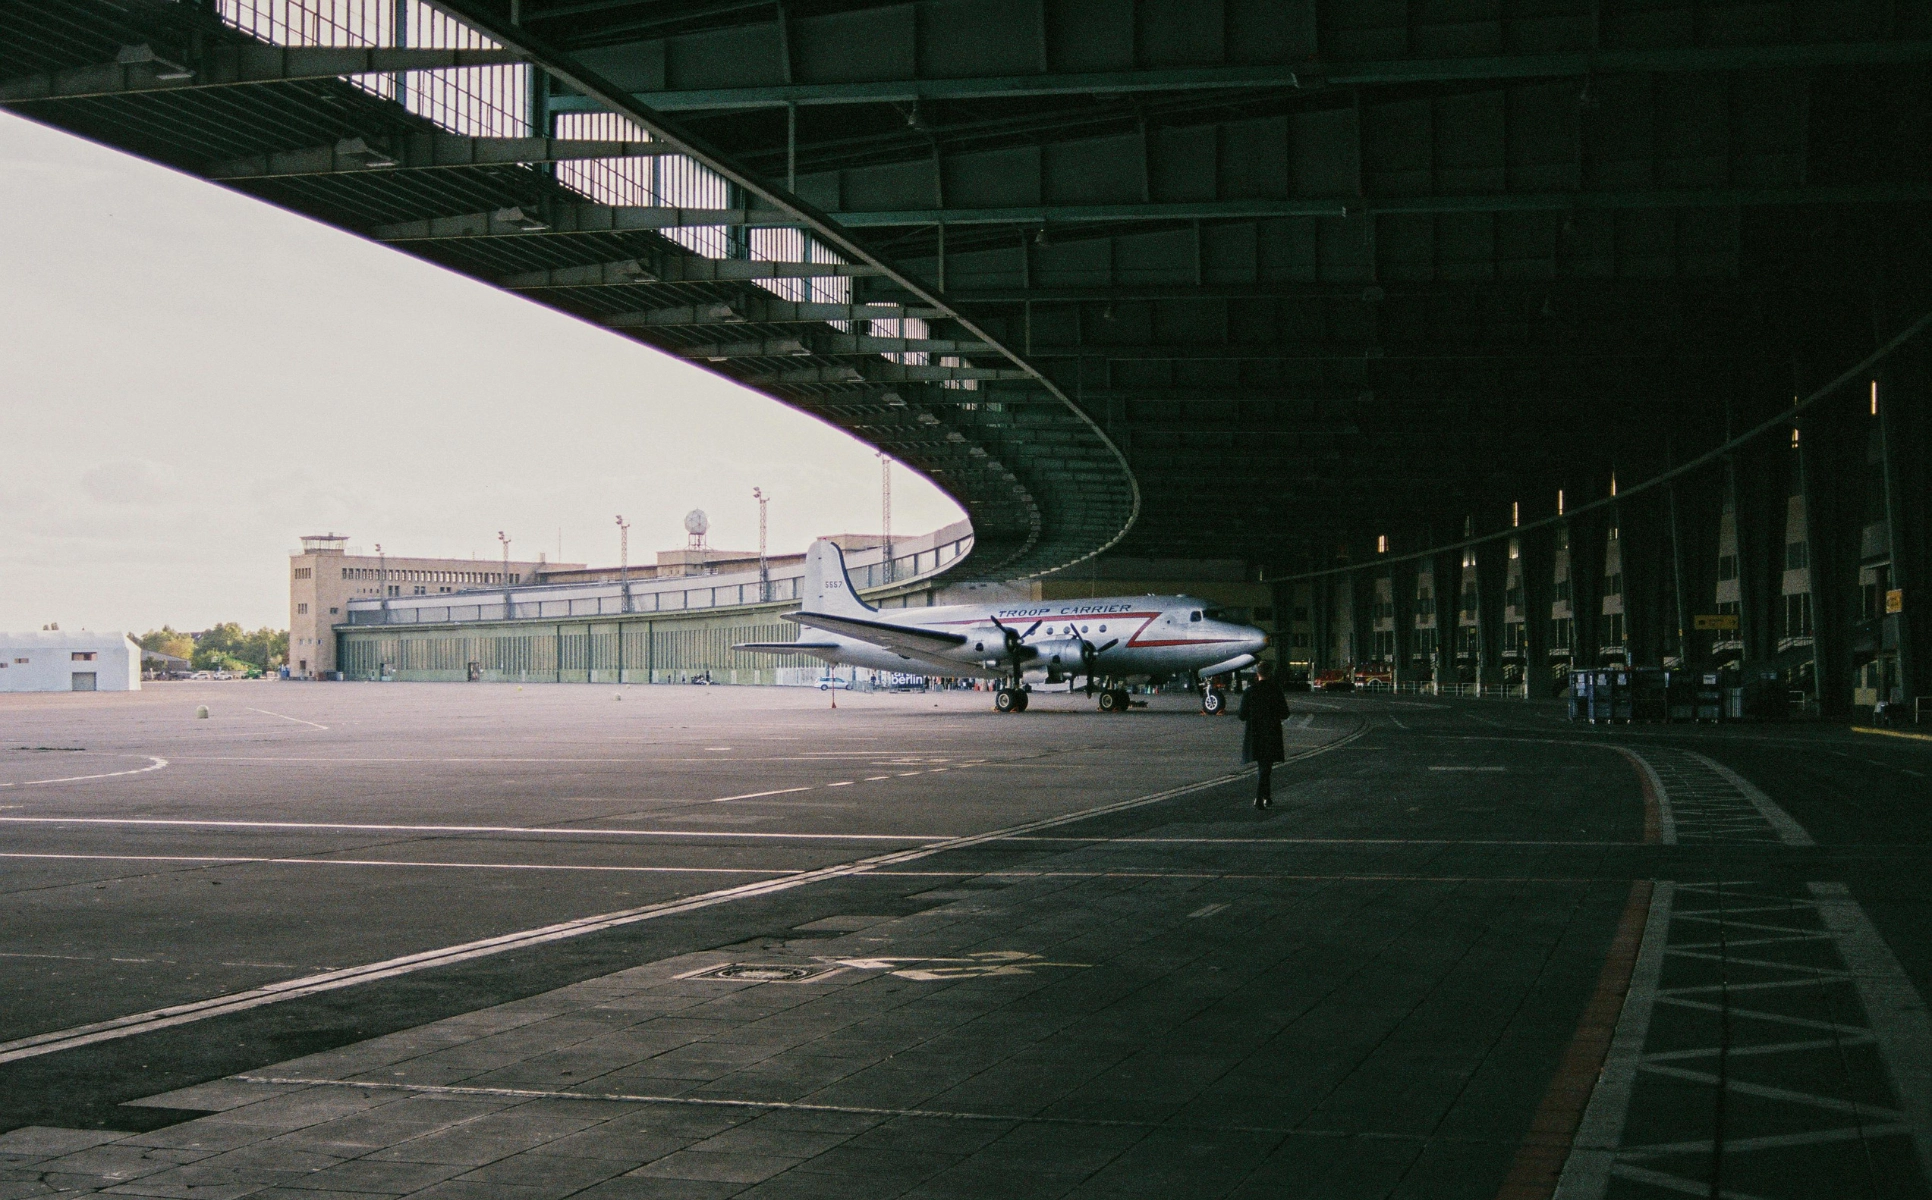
{"x":828,"y":682}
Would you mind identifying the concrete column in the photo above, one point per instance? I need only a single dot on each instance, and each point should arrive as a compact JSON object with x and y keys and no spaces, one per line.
{"x":1492,"y":580}
{"x":1402,"y":590}
{"x":1586,"y":585}
{"x":1649,"y":610}
{"x":1758,"y":473}
{"x":1833,"y":439}
{"x":1906,"y":440}
{"x":1538,"y":550}
{"x":1699,"y":501}
{"x":1361,"y":605}
{"x":1321,"y":628}
{"x":1833,"y":486}
{"x":1444,"y":565}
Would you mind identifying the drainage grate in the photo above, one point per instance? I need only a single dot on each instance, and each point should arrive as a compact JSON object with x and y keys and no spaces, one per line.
{"x":761,"y":972}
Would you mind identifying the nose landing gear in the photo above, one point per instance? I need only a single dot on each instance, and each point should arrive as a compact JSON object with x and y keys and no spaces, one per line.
{"x":1214,"y":701}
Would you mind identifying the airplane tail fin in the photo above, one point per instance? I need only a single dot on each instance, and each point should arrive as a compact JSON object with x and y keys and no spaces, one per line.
{"x":828,"y":589}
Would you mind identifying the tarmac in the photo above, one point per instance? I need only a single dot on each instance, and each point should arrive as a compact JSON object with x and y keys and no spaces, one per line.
{"x":476,"y":942}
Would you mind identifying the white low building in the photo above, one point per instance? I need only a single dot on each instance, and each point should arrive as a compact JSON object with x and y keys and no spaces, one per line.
{"x":59,"y":661}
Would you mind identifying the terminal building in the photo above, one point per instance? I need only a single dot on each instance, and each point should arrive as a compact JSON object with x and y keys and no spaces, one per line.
{"x":325,"y":575}
{"x":665,"y":623}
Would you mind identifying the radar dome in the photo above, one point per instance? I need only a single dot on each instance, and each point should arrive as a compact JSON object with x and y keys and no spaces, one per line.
{"x":696,"y":523}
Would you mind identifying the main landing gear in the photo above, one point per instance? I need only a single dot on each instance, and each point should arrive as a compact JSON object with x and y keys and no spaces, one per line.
{"x":1115,"y":700}
{"x":1009,"y":700}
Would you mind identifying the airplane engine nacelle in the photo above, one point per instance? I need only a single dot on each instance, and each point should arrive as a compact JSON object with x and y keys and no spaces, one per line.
{"x":1060,"y":658}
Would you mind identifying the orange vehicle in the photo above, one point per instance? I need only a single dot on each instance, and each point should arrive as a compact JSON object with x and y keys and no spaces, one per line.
{"x":1335,"y":679}
{"x":1374,"y":675}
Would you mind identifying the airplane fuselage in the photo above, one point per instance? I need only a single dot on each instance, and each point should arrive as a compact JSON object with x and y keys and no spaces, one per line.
{"x":1132,"y":636}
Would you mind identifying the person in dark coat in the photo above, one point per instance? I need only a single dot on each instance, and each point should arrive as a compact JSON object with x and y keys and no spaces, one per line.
{"x":1263,"y":709}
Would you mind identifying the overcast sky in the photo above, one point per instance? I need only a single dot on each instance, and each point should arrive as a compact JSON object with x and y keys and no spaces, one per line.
{"x":193,"y":379}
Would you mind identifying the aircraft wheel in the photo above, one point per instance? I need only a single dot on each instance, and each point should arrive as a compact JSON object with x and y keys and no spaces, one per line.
{"x":1109,"y":702}
{"x":1019,"y":700}
{"x":1213,"y":701}
{"x":1007,"y":700}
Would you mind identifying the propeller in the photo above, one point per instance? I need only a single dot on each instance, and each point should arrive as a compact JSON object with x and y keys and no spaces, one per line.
{"x":1090,"y":655}
{"x":1015,"y":644}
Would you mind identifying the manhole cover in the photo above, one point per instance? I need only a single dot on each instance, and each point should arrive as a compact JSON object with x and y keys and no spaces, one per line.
{"x":760,"y":972}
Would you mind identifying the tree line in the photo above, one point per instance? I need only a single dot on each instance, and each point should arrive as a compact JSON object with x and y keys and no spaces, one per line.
{"x":225,"y":647}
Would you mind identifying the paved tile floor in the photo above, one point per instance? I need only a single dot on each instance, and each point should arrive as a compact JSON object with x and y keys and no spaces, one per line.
{"x":1370,"y":990}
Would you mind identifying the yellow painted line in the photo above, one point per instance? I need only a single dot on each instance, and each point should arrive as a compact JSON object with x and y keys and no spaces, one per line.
{"x":1897,"y":733}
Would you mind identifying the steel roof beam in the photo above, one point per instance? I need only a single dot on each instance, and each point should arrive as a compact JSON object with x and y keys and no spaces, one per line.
{"x":908,"y":91}
{"x":141,"y":69}
{"x":848,"y":343}
{"x":835,"y":344}
{"x":766,"y":312}
{"x":883,"y":373}
{"x":679,"y":269}
{"x":1315,"y":352}
{"x":565,"y":219}
{"x":1305,"y":75}
{"x":1518,"y":290}
{"x":1493,"y":202}
{"x":425,"y":151}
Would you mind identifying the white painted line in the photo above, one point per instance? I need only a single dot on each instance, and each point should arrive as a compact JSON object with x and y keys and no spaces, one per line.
{"x":1746,"y":1088}
{"x":226,"y":860}
{"x":1586,"y":1173}
{"x":755,"y":795}
{"x":1789,"y":831}
{"x":1666,"y":815}
{"x":876,"y":778}
{"x":286,"y":717}
{"x":275,"y":760}
{"x":154,"y":764}
{"x":1468,"y":768}
{"x":1311,"y":841}
{"x":431,"y":1089}
{"x":840,"y":783}
{"x":542,"y":830}
{"x":1744,"y":1145}
{"x":327,"y":981}
{"x":1893,"y":1007}
{"x":1398,"y":722}
{"x":1206,"y":910}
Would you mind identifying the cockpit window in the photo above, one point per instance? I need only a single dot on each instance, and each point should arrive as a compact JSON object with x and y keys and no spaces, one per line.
{"x":1195,"y":615}
{"x":1216,"y":614}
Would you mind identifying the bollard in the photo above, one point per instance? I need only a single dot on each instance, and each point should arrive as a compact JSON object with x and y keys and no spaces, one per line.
{"x":201,"y":712}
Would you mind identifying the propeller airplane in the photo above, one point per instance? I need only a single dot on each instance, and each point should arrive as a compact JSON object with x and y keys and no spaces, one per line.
{"x":1107,"y":642}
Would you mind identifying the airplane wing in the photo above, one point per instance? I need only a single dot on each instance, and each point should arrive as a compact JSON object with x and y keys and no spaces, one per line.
{"x":783,"y":647}
{"x":906,"y":639}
